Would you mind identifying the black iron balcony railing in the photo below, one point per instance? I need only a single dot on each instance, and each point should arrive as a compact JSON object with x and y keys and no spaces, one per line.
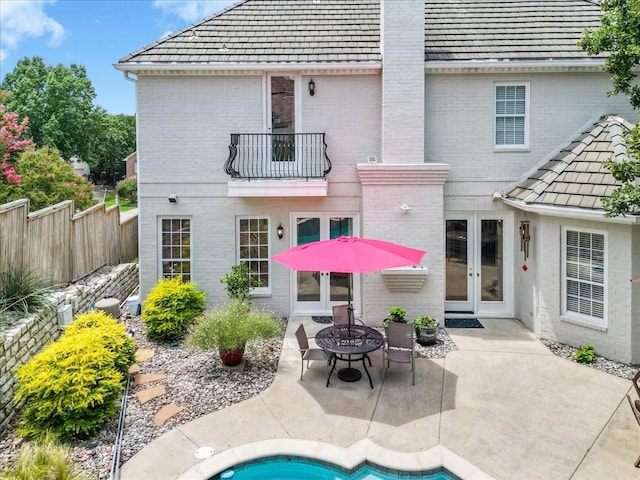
{"x":278,"y":155}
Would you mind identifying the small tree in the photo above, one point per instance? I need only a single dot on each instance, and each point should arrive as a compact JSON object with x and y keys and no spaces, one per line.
{"x":46,"y":179}
{"x":239,"y":282}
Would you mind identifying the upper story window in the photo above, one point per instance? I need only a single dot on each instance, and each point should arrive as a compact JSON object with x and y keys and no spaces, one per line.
{"x":253,"y":248}
{"x":584,"y":274}
{"x":512,"y":115}
{"x":175,"y":248}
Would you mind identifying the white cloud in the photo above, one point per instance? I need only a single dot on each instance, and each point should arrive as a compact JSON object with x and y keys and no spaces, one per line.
{"x":26,"y":18}
{"x":192,"y":10}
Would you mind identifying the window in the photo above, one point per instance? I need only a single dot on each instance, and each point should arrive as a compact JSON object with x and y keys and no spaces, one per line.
{"x":175,"y":247}
{"x":253,"y":248}
{"x":512,"y":124}
{"x":584,"y":276}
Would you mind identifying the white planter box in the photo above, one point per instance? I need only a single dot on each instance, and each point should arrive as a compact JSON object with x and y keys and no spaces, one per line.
{"x":405,"y":279}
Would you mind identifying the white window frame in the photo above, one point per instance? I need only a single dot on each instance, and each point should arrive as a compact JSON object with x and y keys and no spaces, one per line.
{"x":527,"y":108}
{"x":575,"y":317}
{"x":258,"y":291}
{"x":161,"y":257}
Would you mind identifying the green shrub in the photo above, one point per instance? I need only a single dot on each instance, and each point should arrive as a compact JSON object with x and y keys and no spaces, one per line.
{"x":128,"y":188}
{"x":112,"y":334}
{"x":70,"y":388}
{"x":171,"y":308}
{"x":239,"y":282}
{"x":42,"y":460}
{"x":585,"y":354}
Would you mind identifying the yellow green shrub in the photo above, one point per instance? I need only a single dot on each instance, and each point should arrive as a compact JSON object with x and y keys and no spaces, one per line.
{"x":112,"y":333}
{"x":74,"y":384}
{"x":171,"y":307}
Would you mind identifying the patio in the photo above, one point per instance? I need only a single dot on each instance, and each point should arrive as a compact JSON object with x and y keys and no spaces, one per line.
{"x":502,"y":406}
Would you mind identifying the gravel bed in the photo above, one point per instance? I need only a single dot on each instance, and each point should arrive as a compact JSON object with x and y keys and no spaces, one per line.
{"x":621,"y":370}
{"x":201,"y":384}
{"x":194,"y":380}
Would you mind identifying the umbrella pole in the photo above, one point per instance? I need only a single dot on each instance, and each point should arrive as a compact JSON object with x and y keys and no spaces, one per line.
{"x":350,"y":307}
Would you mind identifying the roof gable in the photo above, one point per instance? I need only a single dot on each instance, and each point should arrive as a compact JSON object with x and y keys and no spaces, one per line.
{"x":576,"y":177}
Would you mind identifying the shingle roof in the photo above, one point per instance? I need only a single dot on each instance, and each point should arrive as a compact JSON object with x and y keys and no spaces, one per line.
{"x":576,"y":177}
{"x":280,"y":31}
{"x":507,"y":29}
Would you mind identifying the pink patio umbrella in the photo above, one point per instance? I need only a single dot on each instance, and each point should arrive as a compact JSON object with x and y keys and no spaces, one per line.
{"x":349,"y":255}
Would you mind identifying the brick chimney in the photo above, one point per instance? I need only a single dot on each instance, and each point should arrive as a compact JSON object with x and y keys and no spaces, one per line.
{"x":402,"y":44}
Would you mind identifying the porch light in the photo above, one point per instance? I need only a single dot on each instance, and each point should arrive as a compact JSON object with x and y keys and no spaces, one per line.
{"x":312,"y":87}
{"x":280,"y":231}
{"x":525,"y":236}
{"x":172,"y":198}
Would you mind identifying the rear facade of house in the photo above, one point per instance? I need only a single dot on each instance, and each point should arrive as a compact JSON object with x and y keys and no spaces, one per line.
{"x":472,"y":130}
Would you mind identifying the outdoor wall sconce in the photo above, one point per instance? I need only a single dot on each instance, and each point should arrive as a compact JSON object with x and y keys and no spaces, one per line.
{"x":172,"y":198}
{"x":524,"y":236}
{"x":280,"y":231}
{"x":312,"y":87}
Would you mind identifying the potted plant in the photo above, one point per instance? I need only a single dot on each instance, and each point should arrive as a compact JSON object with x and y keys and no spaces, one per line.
{"x":239,"y":282}
{"x":396,"y":314}
{"x":425,"y":327}
{"x":229,"y":326}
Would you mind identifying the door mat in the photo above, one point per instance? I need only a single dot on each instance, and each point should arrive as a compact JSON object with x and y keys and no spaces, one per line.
{"x":321,"y":319}
{"x":462,"y":323}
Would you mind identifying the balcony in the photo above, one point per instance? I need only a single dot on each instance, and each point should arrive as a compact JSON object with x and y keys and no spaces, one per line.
{"x":279,"y":164}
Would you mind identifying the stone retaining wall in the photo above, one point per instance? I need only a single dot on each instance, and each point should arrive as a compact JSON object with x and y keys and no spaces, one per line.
{"x":31,"y":334}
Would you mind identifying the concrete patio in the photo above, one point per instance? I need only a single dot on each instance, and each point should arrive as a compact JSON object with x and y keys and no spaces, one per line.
{"x":502,"y":406}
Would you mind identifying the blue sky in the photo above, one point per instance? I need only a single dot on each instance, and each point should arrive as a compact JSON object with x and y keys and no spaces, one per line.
{"x":94,"y":33}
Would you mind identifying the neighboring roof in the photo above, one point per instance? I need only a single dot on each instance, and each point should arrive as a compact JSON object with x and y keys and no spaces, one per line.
{"x":507,"y":29}
{"x":329,"y":31}
{"x":576,"y":177}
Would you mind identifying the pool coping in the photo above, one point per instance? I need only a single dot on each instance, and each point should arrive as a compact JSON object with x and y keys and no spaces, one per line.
{"x":362,"y":451}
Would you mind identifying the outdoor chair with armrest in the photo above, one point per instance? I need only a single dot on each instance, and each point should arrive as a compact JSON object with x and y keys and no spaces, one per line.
{"x":400,"y":346}
{"x":307,"y":353}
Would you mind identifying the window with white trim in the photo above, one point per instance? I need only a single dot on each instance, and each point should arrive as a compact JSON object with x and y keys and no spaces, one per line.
{"x":511,"y":115}
{"x":584,"y":276}
{"x":175,"y":248}
{"x":253,"y":248}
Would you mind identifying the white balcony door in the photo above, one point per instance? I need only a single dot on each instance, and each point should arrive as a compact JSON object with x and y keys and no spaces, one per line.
{"x":478,"y":271}
{"x":314,"y":293}
{"x":282,"y":120}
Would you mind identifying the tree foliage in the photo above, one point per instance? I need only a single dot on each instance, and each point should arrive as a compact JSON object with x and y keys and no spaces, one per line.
{"x":58,"y":102}
{"x":619,"y":36}
{"x":47,"y":179}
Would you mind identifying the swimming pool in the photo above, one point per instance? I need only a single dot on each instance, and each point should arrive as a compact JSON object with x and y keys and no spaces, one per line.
{"x":300,"y":468}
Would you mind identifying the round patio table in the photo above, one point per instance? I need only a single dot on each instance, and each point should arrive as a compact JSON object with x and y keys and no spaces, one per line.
{"x":344,"y":341}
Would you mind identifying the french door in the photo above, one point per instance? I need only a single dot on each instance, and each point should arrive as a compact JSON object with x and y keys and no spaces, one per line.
{"x":282,"y":121}
{"x":478,"y":264}
{"x":314,"y":293}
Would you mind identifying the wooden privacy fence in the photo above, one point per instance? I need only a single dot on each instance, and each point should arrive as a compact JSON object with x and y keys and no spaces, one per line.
{"x":61,"y":247}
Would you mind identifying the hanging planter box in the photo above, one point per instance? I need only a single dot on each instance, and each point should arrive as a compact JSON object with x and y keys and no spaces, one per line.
{"x":405,"y":279}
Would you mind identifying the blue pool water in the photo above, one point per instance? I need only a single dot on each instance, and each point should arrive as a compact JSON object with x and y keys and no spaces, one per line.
{"x":297,"y":468}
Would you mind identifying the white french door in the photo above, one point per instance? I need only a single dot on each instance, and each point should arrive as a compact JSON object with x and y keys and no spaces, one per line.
{"x":479,"y":252}
{"x":314,"y":293}
{"x":282,"y":122}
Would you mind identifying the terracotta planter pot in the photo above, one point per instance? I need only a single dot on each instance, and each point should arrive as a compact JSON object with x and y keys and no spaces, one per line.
{"x":231,"y":358}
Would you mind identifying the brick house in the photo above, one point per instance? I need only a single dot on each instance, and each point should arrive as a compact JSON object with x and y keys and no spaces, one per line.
{"x":472,"y":130}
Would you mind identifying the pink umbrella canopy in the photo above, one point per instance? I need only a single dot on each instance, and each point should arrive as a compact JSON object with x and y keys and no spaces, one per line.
{"x":349,"y":255}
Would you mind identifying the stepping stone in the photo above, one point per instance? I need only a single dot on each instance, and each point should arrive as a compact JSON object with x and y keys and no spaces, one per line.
{"x":150,"y":393}
{"x":135,"y":368}
{"x":141,"y":378}
{"x":144,"y":354}
{"x":165,"y":413}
